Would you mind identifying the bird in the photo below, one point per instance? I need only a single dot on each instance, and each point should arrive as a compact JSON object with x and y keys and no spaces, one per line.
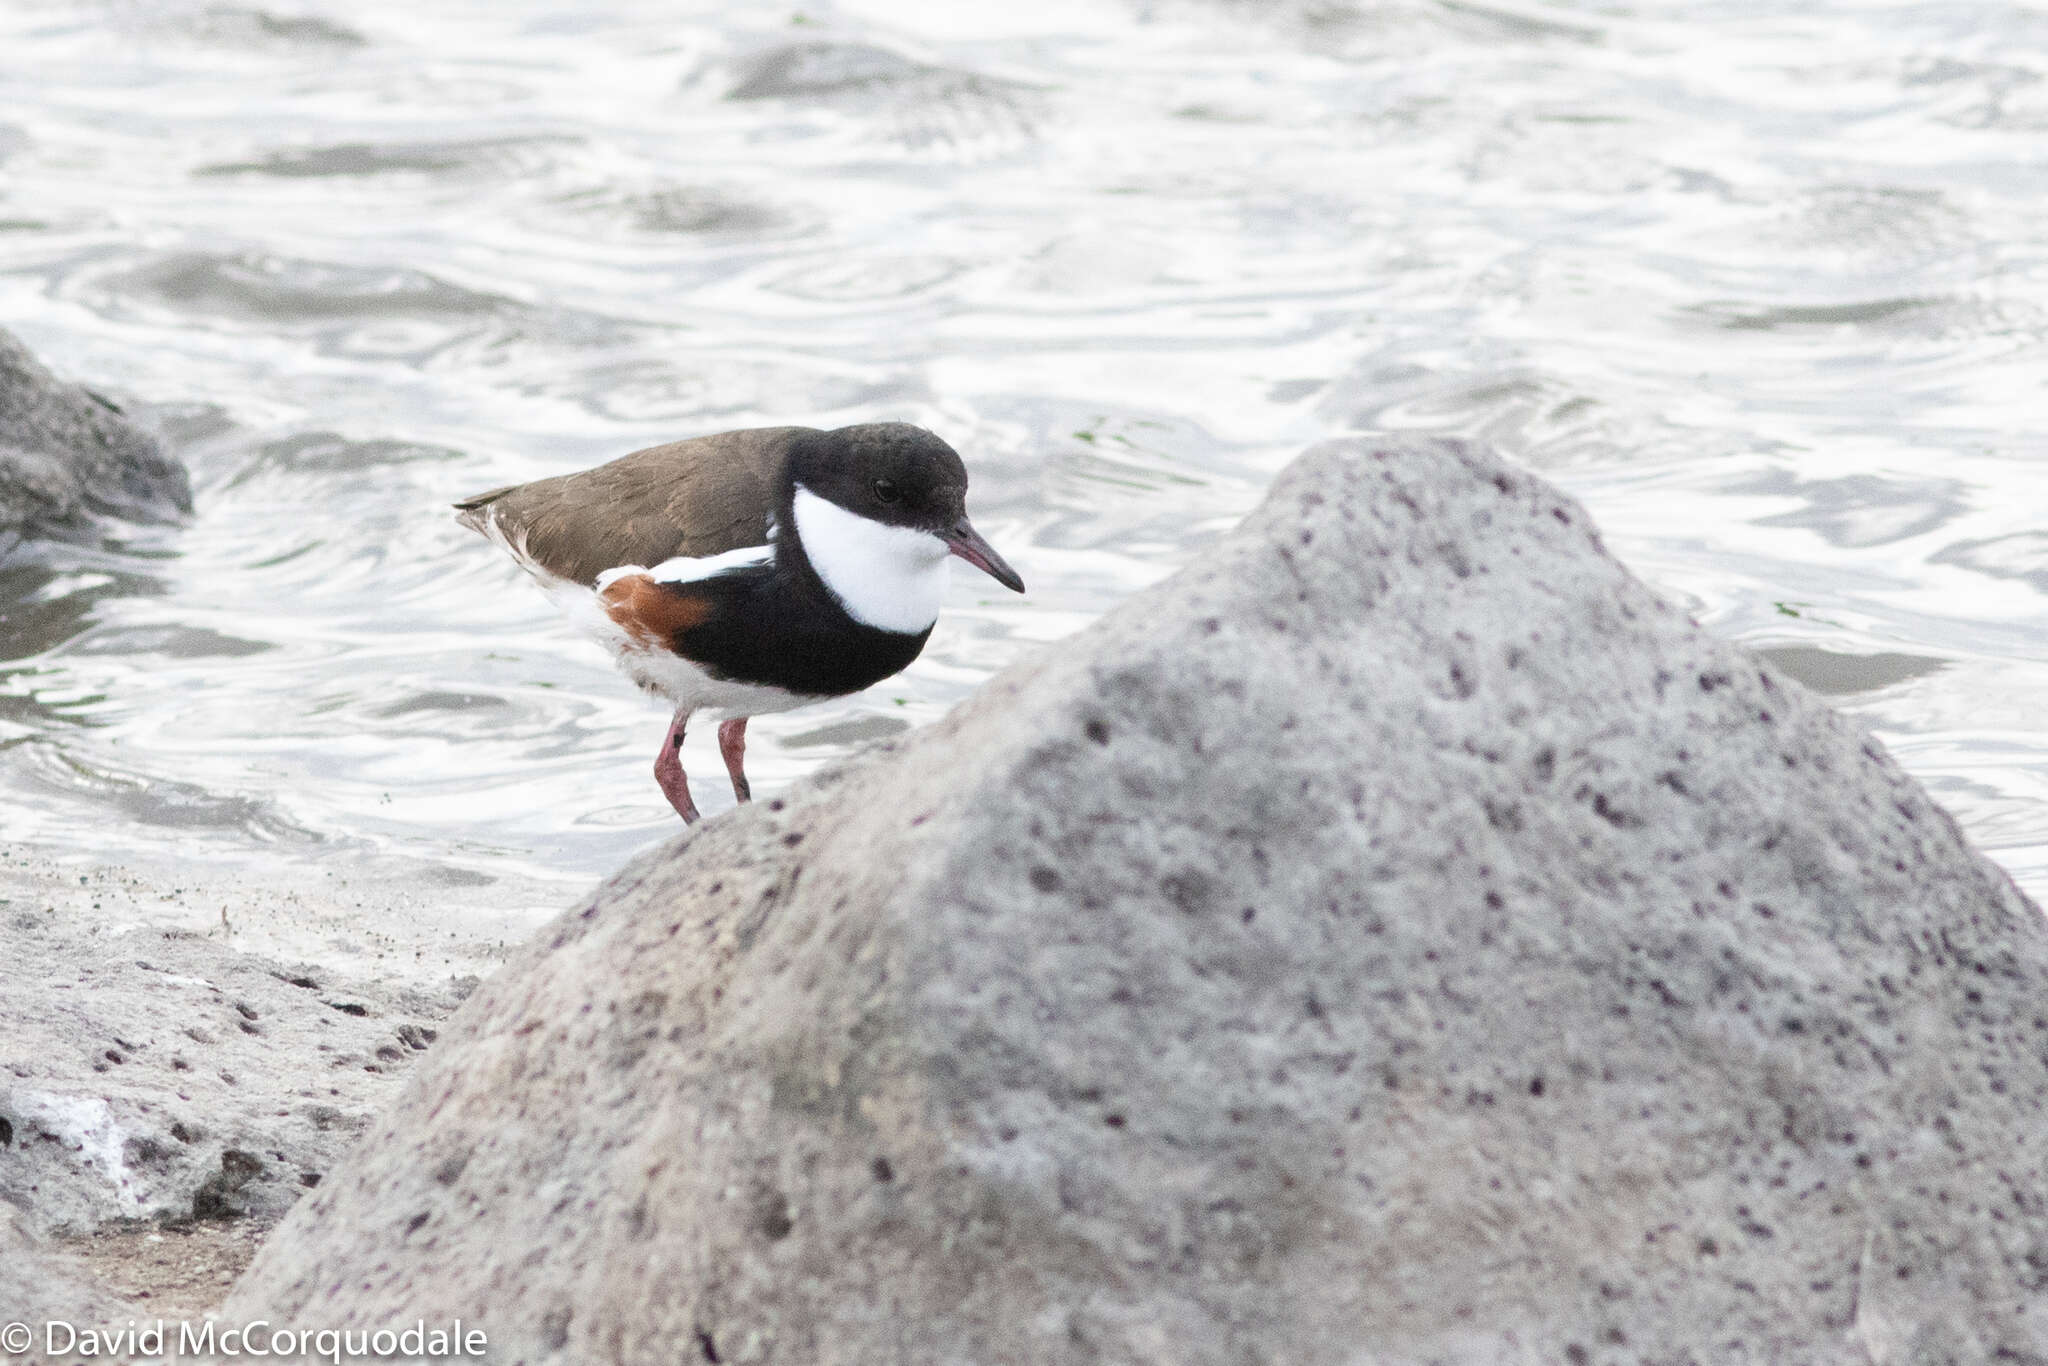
{"x":751,"y":571}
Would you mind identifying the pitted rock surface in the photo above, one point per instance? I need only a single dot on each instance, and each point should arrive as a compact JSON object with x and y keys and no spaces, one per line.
{"x":155,"y":1077}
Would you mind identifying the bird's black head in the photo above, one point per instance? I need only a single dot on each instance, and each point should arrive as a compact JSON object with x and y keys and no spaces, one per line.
{"x":900,"y":476}
{"x":888,"y":472}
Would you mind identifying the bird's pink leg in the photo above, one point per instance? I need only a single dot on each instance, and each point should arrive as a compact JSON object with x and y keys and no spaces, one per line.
{"x":668,"y":770}
{"x":732,"y":743}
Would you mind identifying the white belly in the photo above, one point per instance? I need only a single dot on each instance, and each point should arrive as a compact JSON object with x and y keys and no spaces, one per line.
{"x":692,"y":690}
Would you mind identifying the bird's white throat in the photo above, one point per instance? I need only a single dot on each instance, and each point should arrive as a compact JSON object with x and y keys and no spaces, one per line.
{"x":892,"y":578}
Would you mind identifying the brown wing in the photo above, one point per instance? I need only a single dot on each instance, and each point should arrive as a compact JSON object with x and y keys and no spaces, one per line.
{"x":703,"y":496}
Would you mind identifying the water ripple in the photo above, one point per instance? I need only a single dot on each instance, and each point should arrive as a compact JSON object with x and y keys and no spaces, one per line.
{"x":920,"y":107}
{"x":492,"y":158}
{"x":1761,"y":283}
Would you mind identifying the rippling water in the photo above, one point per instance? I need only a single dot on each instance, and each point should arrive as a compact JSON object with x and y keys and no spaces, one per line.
{"x":1763,"y":283}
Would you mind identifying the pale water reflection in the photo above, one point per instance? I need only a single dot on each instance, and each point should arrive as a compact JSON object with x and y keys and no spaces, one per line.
{"x":1762,"y":283}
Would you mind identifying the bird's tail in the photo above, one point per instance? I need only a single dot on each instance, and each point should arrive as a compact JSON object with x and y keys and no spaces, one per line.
{"x":475,"y":513}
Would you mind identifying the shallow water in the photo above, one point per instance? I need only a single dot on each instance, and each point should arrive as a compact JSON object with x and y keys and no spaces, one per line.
{"x":1761,"y":283}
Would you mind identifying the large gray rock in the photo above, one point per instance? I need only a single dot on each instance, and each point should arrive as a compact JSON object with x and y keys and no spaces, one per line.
{"x":67,"y":454}
{"x":159,"y":1076}
{"x":1397,"y":938}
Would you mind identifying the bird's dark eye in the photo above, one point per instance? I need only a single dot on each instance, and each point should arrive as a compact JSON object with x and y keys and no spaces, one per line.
{"x":886,"y":490}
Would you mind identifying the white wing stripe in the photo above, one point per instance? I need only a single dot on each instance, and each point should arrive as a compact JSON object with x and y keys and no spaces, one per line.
{"x":684,"y":569}
{"x":691,"y":568}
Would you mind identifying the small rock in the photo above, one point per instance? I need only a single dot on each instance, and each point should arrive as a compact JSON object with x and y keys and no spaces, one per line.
{"x":42,"y":1284}
{"x":67,"y":454}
